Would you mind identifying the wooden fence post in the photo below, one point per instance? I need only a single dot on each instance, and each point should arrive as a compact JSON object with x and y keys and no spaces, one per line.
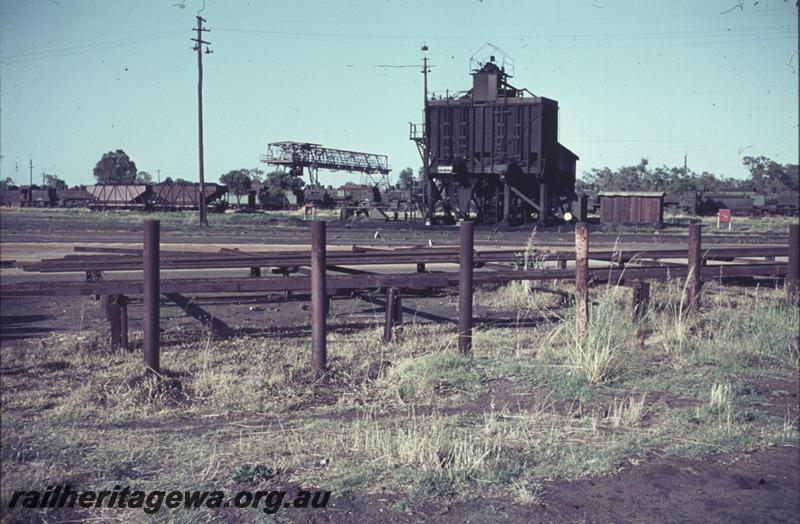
{"x":641,"y":299}
{"x":793,"y":273}
{"x":151,"y":295}
{"x":398,"y":307}
{"x":318,"y":297}
{"x":582,"y":279}
{"x":391,"y":313}
{"x":122,"y":302}
{"x":465,"y":260}
{"x":695,"y":259}
{"x":113,"y":311}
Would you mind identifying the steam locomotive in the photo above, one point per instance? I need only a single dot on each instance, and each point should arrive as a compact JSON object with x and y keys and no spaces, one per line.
{"x":748,"y":203}
{"x":708,"y":203}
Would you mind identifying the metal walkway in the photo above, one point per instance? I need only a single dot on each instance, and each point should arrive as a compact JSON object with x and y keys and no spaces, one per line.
{"x":299,"y":155}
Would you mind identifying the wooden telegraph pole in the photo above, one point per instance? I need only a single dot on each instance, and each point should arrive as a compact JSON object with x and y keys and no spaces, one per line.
{"x":198,"y":47}
{"x":426,"y":164}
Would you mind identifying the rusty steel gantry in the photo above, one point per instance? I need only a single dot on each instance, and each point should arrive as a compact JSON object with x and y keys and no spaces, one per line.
{"x":303,"y":155}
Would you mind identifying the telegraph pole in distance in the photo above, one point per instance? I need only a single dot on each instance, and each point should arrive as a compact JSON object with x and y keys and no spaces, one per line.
{"x":426,"y":168}
{"x":30,"y":181}
{"x":199,"y":48}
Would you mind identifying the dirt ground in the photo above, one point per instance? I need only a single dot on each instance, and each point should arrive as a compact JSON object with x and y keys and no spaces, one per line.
{"x":36,"y":225}
{"x":758,"y":486}
{"x":754,"y":487}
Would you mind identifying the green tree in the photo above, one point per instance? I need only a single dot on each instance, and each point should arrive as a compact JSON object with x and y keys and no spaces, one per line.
{"x":641,"y":177}
{"x":406,"y":178}
{"x":115,"y":167}
{"x":238,"y":182}
{"x":279,"y":181}
{"x":256,"y":175}
{"x":144,"y":178}
{"x":8,"y":182}
{"x":768,"y":176}
{"x":183,"y":182}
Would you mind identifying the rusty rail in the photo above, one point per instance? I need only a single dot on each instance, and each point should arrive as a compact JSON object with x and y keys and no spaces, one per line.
{"x":321,"y":286}
{"x":420,"y":257}
{"x":338,"y":284}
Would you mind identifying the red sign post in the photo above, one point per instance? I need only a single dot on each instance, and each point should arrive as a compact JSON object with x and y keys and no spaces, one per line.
{"x":724,"y":217}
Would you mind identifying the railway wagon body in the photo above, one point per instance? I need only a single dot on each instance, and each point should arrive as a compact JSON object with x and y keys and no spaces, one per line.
{"x":495,"y":151}
{"x":285,"y":199}
{"x":785,"y":203}
{"x":318,"y":196}
{"x":120,"y":196}
{"x":345,"y":195}
{"x":259,"y":196}
{"x":11,"y":196}
{"x":175,"y":197}
{"x":356,"y":194}
{"x":680,"y":203}
{"x":400,"y":199}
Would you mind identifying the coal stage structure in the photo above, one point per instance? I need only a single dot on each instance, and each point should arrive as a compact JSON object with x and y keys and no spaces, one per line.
{"x":492,"y":154}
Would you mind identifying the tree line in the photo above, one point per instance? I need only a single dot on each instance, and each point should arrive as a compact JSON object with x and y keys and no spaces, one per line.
{"x":766,"y":176}
{"x":241,"y":181}
{"x":116,"y":167}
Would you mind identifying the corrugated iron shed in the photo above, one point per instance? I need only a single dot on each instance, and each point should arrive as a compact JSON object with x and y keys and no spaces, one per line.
{"x":631,"y":207}
{"x":632,"y":193}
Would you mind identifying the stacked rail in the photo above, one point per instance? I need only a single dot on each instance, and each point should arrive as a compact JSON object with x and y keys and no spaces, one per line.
{"x":307,"y":271}
{"x":121,"y":259}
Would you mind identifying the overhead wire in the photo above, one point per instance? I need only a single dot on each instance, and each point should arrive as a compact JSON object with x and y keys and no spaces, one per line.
{"x":615,"y":20}
{"x":84,"y":48}
{"x":606,"y":40}
{"x":768,"y":30}
{"x":569,"y":35}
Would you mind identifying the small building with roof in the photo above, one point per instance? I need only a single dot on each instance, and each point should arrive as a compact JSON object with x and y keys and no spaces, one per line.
{"x":631,"y":207}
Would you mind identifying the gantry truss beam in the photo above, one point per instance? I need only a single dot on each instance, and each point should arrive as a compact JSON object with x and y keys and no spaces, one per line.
{"x":315,"y":156}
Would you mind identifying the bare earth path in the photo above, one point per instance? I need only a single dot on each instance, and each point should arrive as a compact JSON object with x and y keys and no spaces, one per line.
{"x":763,"y":486}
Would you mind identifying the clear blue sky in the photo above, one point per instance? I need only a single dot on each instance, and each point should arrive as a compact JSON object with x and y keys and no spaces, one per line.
{"x":634,"y":79}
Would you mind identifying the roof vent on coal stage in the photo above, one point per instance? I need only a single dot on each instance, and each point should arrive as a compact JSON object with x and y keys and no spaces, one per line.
{"x":490,"y":75}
